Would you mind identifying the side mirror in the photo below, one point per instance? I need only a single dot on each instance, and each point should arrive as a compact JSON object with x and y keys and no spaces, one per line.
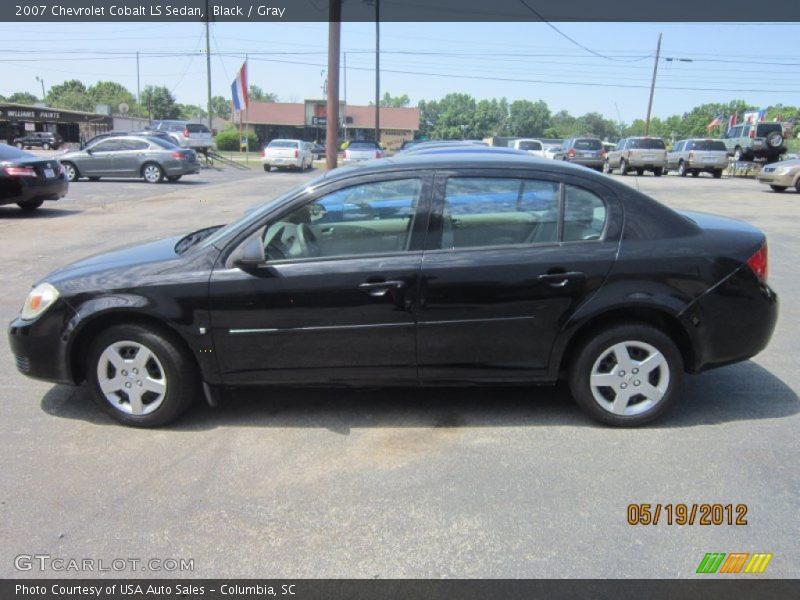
{"x":250,"y":254}
{"x":89,"y":151}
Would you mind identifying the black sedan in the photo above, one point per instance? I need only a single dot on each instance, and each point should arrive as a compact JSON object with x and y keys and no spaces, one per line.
{"x":437,"y":269}
{"x":27,"y":180}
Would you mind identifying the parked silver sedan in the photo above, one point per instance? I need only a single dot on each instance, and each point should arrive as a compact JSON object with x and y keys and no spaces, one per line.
{"x":696,"y":156}
{"x":152,"y":159}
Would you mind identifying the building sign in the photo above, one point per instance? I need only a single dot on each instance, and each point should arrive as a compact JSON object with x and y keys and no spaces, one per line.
{"x":316,"y":112}
{"x":47,"y":115}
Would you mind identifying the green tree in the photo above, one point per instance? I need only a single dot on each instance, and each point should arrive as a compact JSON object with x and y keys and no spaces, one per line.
{"x":256,"y":94}
{"x":455,"y":118}
{"x":597,"y":125}
{"x":111,"y":93}
{"x":562,"y":125}
{"x":159,"y":103}
{"x":528,"y":119}
{"x":191,"y":111}
{"x":71,"y":95}
{"x":491,"y":117}
{"x":389,"y":101}
{"x":22,"y":98}
{"x":220,"y":107}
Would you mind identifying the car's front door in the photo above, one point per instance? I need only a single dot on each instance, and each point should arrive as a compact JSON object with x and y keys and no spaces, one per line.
{"x":336,"y":299}
{"x":508,"y":259}
{"x":98,"y":160}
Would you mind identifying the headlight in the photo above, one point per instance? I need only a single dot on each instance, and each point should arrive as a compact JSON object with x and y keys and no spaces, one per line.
{"x":38,"y":301}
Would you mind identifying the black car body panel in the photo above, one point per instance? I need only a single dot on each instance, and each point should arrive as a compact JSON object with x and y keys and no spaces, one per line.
{"x":427,"y":314}
{"x":49,"y":182}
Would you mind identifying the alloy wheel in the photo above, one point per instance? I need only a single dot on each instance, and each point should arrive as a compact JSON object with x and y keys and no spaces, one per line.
{"x":132,"y":378}
{"x":152,"y":173}
{"x":629,"y":378}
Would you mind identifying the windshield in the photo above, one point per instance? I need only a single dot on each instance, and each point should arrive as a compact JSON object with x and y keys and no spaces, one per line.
{"x":530,"y":146}
{"x":588,"y":145}
{"x":196,"y":128}
{"x":767,"y":128}
{"x":708,"y":145}
{"x":160,"y":142}
{"x":647,"y":144}
{"x":362,"y":146}
{"x":282,"y":144}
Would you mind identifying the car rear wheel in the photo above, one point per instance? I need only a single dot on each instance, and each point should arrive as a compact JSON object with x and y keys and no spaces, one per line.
{"x":623,"y":167}
{"x":627,"y":375}
{"x":19,"y":145}
{"x":682,"y":169}
{"x":152,"y":173}
{"x":139,"y":376}
{"x":717,"y":173}
{"x":46,"y":146}
{"x":695,"y":173}
{"x":267,"y":168}
{"x":71,"y":171}
{"x":640,"y":172}
{"x":607,"y":168}
{"x":31,"y":205}
{"x":658,"y":171}
{"x":778,"y":188}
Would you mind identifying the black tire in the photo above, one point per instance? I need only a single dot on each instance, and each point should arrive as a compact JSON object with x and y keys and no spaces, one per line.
{"x":45,"y":146}
{"x":607,"y":168}
{"x":156,"y":170}
{"x":174,"y":178}
{"x":682,"y":169}
{"x":267,"y":168}
{"x":797,"y":186}
{"x":695,"y":173}
{"x":658,"y":171}
{"x":71,"y":171}
{"x":179,"y":373}
{"x":640,"y":172}
{"x":20,"y":145}
{"x":717,"y":173}
{"x":778,"y":188}
{"x":94,"y":179}
{"x":623,"y":167}
{"x":598,"y":346}
{"x":30,"y":205}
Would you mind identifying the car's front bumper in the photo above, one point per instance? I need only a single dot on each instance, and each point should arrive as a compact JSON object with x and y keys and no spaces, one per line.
{"x":770,"y":178}
{"x":40,"y":347}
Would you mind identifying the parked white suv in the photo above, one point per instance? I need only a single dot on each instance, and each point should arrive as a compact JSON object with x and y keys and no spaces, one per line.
{"x":283,"y":154}
{"x":187,"y":135}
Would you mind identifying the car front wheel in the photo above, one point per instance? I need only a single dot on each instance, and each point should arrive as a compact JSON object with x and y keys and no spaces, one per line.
{"x":30,"y":205}
{"x":139,"y":376}
{"x":70,"y":171}
{"x":778,"y":188}
{"x":627,"y":375}
{"x":623,"y":167}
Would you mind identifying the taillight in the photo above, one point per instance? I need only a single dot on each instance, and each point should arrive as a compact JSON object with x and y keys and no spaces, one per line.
{"x":571,"y":152}
{"x":758,"y":263}
{"x":377,"y":154}
{"x":752,"y":133}
{"x":347,"y":153}
{"x":691,"y":155}
{"x":264,"y":153}
{"x":177,"y":155}
{"x":20,"y":171}
{"x":186,"y":133}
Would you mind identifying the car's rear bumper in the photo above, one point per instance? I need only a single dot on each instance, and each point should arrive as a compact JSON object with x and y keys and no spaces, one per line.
{"x":181,"y":167}
{"x":40,"y":347}
{"x":708,"y":166}
{"x":24,"y":189}
{"x":593,"y":163}
{"x":282,"y":162}
{"x":731,"y":322}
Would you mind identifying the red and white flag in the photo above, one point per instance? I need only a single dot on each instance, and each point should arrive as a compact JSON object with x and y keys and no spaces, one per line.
{"x":239,"y":89}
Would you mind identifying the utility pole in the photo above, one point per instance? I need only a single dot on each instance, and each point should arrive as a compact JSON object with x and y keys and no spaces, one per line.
{"x":138,"y":89}
{"x":652,"y":88}
{"x":345,"y":96}
{"x":334,"y":46}
{"x":378,"y":71}
{"x":208,"y":66}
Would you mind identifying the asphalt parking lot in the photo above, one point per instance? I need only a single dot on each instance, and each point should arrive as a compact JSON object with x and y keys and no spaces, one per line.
{"x":391,"y":483}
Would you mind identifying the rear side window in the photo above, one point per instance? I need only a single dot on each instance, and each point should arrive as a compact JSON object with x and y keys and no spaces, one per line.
{"x":108,"y":145}
{"x":584,"y":215}
{"x":485,"y":212}
{"x":765,"y":129}
{"x":588,"y":144}
{"x":647,"y":144}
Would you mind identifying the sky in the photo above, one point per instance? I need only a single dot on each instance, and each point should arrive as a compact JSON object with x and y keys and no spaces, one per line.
{"x":426,"y":61}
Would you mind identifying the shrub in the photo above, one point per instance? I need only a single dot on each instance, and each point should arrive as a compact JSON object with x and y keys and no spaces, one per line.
{"x":229,"y":140}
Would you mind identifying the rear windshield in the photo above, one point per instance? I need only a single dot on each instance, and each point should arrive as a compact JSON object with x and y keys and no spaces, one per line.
{"x":197,"y":128}
{"x":362,"y":145}
{"x":530,"y":146}
{"x":648,"y":144}
{"x":767,"y":128}
{"x":160,"y":142}
{"x":282,"y":144}
{"x":708,"y":145}
{"x":588,"y":144}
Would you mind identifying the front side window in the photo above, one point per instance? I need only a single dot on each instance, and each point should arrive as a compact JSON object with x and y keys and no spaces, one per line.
{"x":679,"y":146}
{"x":367,"y":219}
{"x":483,"y":212}
{"x":106,"y":146}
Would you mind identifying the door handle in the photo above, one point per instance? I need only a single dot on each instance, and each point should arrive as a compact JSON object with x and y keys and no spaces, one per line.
{"x":561,"y":279}
{"x":380,"y":288}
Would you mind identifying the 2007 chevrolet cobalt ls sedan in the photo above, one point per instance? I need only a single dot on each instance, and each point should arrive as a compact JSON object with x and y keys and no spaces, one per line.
{"x":416,"y":270}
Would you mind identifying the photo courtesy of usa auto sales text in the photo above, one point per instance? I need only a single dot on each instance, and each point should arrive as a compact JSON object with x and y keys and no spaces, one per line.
{"x":141,"y":591}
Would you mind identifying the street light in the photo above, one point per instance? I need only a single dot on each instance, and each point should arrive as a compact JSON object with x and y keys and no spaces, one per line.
{"x":40,"y":80}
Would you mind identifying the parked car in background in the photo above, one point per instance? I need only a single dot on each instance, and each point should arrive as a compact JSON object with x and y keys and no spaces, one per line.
{"x":551,"y":151}
{"x":697,"y":156}
{"x":781,"y":176}
{"x":528,"y":272}
{"x":145,"y":133}
{"x":317,"y":150}
{"x":637,"y":154}
{"x":151,"y":159}
{"x":27,"y":180}
{"x":750,"y":141}
{"x":430,"y":144}
{"x":533,"y":147}
{"x":285,"y":154}
{"x":584,"y":151}
{"x":39,"y":139}
{"x":360,"y":151}
{"x":187,"y":135}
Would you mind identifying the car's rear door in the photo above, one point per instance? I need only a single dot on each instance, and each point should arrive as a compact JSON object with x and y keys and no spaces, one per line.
{"x":337,"y":298}
{"x":509,"y":257}
{"x":129,"y":158}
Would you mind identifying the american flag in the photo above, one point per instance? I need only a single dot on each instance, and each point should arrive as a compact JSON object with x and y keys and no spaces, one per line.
{"x":715,"y":123}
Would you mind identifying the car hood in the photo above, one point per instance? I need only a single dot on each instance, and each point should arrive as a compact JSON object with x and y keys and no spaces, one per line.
{"x":150,"y":257}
